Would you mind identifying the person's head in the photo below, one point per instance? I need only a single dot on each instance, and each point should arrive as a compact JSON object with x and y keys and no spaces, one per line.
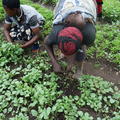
{"x":11,"y":7}
{"x":69,"y":40}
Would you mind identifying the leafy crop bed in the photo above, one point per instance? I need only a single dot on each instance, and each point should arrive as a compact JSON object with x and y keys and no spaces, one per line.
{"x":1,"y":12}
{"x":30,"y":90}
{"x":107,"y":44}
{"x":111,"y":10}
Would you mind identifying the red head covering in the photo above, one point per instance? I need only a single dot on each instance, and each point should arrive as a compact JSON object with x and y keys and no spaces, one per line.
{"x":69,"y":40}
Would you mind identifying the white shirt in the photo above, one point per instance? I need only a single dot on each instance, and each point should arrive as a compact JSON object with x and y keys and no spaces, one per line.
{"x":66,"y":7}
{"x":30,"y":15}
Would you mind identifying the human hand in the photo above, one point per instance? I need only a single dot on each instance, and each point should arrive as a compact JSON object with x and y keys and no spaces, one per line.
{"x":22,"y":46}
{"x":57,"y":68}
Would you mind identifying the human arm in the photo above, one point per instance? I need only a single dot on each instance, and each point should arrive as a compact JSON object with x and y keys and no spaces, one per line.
{"x":49,"y":48}
{"x":6,"y":28}
{"x":36,"y":32}
{"x":49,"y":42}
{"x":35,"y":27}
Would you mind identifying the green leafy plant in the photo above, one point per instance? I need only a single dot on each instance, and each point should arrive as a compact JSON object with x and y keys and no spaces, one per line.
{"x":111,"y":10}
{"x":50,"y":2}
{"x":9,"y":53}
{"x":106,"y":44}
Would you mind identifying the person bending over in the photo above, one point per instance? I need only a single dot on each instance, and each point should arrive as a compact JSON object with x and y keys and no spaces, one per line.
{"x":73,"y":28}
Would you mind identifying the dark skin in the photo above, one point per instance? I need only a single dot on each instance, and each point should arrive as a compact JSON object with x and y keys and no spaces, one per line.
{"x":16,"y":12}
{"x":76,"y":20}
{"x":73,"y":18}
{"x":49,"y":48}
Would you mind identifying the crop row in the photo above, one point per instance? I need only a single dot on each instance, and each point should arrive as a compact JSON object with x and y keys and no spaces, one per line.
{"x":30,"y":90}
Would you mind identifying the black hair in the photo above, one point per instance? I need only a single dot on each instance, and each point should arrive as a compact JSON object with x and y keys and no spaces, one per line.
{"x":11,"y":3}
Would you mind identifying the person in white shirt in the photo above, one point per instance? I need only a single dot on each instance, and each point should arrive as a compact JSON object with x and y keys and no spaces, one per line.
{"x":22,"y":23}
{"x":73,"y":27}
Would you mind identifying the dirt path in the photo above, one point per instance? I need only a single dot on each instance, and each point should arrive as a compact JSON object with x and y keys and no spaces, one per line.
{"x":105,"y":71}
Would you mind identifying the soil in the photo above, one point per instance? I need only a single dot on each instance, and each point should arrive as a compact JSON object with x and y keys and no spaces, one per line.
{"x":103,"y":70}
{"x":70,"y":86}
{"x":106,"y":70}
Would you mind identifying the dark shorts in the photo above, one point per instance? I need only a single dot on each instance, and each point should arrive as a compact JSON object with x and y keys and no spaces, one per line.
{"x":89,"y":34}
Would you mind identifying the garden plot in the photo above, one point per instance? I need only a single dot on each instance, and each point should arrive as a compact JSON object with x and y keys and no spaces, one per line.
{"x":30,"y":90}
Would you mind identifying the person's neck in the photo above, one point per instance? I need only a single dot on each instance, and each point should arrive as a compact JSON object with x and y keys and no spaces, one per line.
{"x":18,"y":12}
